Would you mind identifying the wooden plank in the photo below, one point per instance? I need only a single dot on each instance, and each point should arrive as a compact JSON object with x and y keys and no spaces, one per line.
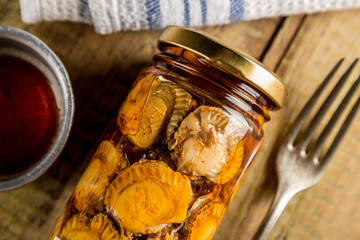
{"x":330,"y":209}
{"x":240,"y":221}
{"x":101,"y":69}
{"x":288,"y":30}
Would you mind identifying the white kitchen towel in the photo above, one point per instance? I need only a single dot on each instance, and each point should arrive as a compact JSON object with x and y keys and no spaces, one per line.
{"x":110,"y":16}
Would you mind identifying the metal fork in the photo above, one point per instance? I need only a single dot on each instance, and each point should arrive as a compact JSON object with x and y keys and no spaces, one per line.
{"x":299,"y":168}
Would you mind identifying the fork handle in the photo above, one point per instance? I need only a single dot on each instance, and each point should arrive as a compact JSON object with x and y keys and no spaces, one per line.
{"x":282,"y":197}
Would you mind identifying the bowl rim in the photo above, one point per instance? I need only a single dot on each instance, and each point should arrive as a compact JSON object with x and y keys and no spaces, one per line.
{"x":65,"y":121}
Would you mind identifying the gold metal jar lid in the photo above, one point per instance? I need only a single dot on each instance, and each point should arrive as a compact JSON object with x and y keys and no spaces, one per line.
{"x":222,"y":56}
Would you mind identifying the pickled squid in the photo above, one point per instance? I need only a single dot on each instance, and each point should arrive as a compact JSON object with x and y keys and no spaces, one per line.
{"x":80,"y":227}
{"x":152,"y":122}
{"x":183,"y":103}
{"x":147,"y":196}
{"x":233,"y":163}
{"x":131,"y":111}
{"x":202,"y":224}
{"x":202,"y":144}
{"x":90,"y":190}
{"x":165,"y":107}
{"x":168,"y":237}
{"x":201,"y":202}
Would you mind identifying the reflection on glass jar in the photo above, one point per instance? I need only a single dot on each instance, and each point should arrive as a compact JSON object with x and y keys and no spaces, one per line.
{"x":187,"y":133}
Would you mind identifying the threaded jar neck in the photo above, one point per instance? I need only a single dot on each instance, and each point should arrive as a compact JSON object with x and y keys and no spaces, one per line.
{"x":223,"y":88}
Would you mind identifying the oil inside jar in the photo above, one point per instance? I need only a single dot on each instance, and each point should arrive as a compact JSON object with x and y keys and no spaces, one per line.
{"x":28,"y":115}
{"x":124,"y":164}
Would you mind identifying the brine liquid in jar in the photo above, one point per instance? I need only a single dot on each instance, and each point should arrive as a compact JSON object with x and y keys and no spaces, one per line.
{"x":183,"y":143}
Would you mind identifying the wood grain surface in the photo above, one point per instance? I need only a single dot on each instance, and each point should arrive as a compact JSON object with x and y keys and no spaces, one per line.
{"x":301,"y":49}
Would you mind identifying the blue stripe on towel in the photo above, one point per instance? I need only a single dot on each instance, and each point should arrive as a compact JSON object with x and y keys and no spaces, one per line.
{"x":203,"y":11}
{"x":236,"y":10}
{"x":153,"y":13}
{"x":84,"y":11}
{"x":186,"y":13}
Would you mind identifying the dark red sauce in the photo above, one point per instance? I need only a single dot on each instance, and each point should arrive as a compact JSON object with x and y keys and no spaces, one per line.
{"x":28,"y":115}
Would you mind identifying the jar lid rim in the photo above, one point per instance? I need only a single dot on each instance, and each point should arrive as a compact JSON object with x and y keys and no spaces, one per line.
{"x":228,"y":59}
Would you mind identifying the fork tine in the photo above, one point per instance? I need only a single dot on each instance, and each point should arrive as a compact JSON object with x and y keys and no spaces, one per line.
{"x":299,"y":122}
{"x":325,"y":159}
{"x":308,"y":133}
{"x":318,"y":146}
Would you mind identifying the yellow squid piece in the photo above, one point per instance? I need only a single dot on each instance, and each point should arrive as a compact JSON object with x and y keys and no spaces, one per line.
{"x":147,"y":196}
{"x":90,"y":190}
{"x":131,"y":111}
{"x":146,"y":118}
{"x":202,"y":225}
{"x":151,"y":124}
{"x":80,"y":227}
{"x":233,"y":163}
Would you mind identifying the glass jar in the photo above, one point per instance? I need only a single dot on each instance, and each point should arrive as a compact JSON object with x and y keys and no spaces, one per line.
{"x":187,"y":133}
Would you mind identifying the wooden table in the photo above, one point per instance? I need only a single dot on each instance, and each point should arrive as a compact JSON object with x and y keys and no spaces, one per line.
{"x":300,"y":49}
